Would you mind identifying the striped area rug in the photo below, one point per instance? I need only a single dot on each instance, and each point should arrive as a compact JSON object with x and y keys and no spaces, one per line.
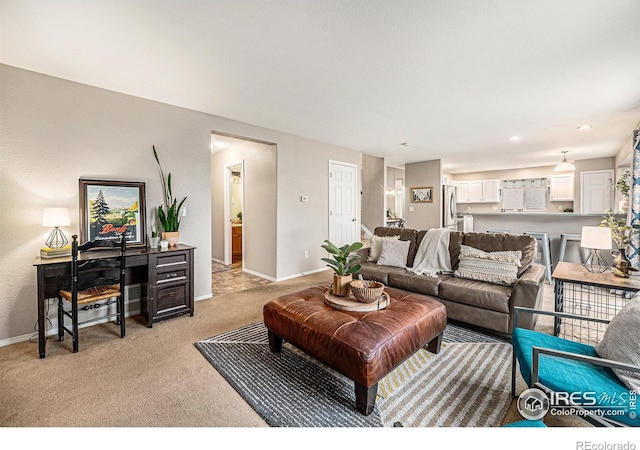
{"x":466,"y":385}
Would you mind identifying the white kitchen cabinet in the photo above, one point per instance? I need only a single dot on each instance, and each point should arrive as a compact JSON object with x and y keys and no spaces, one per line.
{"x":476,"y":194}
{"x":491,"y":191}
{"x":478,"y":191}
{"x":561,"y":188}
{"x":463,"y":192}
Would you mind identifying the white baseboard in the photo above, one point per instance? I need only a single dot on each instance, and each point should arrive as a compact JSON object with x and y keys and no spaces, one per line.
{"x":285,"y":278}
{"x":16,"y":339}
{"x":302,"y":274}
{"x":258,"y":274}
{"x":53,"y":331}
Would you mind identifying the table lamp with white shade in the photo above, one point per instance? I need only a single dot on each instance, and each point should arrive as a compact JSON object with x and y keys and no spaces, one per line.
{"x":56,"y":217}
{"x":596,"y":239}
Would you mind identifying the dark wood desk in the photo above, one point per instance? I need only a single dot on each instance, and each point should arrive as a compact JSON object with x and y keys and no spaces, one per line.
{"x":165,"y":276}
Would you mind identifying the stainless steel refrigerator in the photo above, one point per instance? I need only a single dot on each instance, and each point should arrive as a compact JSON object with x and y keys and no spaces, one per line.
{"x":449,"y":212}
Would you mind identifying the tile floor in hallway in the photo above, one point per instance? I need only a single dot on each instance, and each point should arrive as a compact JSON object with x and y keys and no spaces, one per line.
{"x":231,"y":278}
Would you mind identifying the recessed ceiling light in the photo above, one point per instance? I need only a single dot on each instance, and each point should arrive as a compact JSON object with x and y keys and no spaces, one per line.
{"x":515,"y":138}
{"x":585,"y":127}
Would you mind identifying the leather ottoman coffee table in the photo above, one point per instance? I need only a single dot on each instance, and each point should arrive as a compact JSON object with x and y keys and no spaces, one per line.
{"x":363,"y":346}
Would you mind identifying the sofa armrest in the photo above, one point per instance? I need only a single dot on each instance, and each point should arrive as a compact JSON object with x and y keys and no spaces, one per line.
{"x":528,"y":292}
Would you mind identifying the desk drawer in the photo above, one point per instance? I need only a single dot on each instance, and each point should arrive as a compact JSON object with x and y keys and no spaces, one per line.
{"x":171,"y":298}
{"x":171,"y":259}
{"x":57,"y":270}
{"x":171,"y":276}
{"x":136,"y":260}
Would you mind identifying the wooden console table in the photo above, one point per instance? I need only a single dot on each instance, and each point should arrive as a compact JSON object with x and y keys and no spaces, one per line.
{"x":585,"y":293}
{"x":165,"y":276}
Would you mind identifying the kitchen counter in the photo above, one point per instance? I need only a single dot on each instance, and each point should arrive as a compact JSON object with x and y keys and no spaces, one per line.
{"x":554,"y":223}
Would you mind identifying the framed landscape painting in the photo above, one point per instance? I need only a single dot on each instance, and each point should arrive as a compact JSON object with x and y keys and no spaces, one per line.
{"x":111,"y":208}
{"x":422,"y":195}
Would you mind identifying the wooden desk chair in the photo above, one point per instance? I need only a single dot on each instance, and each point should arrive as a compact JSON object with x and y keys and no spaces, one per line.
{"x":92,"y":281}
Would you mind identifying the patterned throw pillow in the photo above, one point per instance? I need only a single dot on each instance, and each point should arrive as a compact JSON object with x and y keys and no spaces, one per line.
{"x":394,"y":253}
{"x":620,"y":342}
{"x":376,"y":246}
{"x":491,"y":267}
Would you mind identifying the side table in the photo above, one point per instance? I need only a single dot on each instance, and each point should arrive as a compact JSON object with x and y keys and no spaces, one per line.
{"x":581,"y":292}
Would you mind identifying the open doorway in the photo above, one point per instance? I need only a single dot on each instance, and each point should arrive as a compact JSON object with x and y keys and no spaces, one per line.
{"x":244,"y":180}
{"x":235,"y":199}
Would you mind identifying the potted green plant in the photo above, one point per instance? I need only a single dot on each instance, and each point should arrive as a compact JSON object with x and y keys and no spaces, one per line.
{"x":624,"y":185}
{"x":169,"y":212}
{"x":154,"y":240}
{"x":344,"y":265}
{"x":621,"y":234}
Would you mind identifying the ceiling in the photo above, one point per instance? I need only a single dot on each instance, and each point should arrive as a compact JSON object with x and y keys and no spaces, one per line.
{"x":454,"y":79}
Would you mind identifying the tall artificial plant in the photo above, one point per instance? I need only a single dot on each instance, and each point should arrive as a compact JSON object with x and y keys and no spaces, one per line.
{"x":169,"y":212}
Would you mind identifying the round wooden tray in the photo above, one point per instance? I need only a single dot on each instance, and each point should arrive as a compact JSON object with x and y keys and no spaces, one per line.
{"x":350,"y":303}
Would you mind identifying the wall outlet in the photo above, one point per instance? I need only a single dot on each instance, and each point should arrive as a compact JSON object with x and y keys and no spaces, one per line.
{"x":183,"y":212}
{"x":306,"y":254}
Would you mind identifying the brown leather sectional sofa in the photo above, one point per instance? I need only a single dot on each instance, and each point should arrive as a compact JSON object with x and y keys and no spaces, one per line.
{"x":478,"y":303}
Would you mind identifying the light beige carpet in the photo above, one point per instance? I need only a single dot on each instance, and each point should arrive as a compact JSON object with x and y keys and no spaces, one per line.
{"x":151,"y":378}
{"x":154,"y":377}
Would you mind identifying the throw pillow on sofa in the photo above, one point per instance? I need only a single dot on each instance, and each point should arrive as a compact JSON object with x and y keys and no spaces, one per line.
{"x":394,"y":253}
{"x":620,"y":342}
{"x":376,"y":246}
{"x":491,"y":267}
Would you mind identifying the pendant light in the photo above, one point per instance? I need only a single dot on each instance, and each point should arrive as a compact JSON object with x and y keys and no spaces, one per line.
{"x":565,"y":165}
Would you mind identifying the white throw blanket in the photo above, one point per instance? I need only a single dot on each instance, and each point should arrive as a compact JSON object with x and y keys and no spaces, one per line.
{"x":432,"y":257}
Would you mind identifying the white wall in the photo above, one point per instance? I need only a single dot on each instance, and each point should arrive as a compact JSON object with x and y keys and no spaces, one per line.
{"x":424,"y":215}
{"x":373,"y":206}
{"x":52,"y":132}
{"x":303,"y":169}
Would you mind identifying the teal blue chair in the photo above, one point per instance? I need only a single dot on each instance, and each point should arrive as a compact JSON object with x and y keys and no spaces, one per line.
{"x":556,"y":365}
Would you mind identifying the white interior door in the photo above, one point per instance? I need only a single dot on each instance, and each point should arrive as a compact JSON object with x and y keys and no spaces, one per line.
{"x":596,"y":191}
{"x":343,"y":203}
